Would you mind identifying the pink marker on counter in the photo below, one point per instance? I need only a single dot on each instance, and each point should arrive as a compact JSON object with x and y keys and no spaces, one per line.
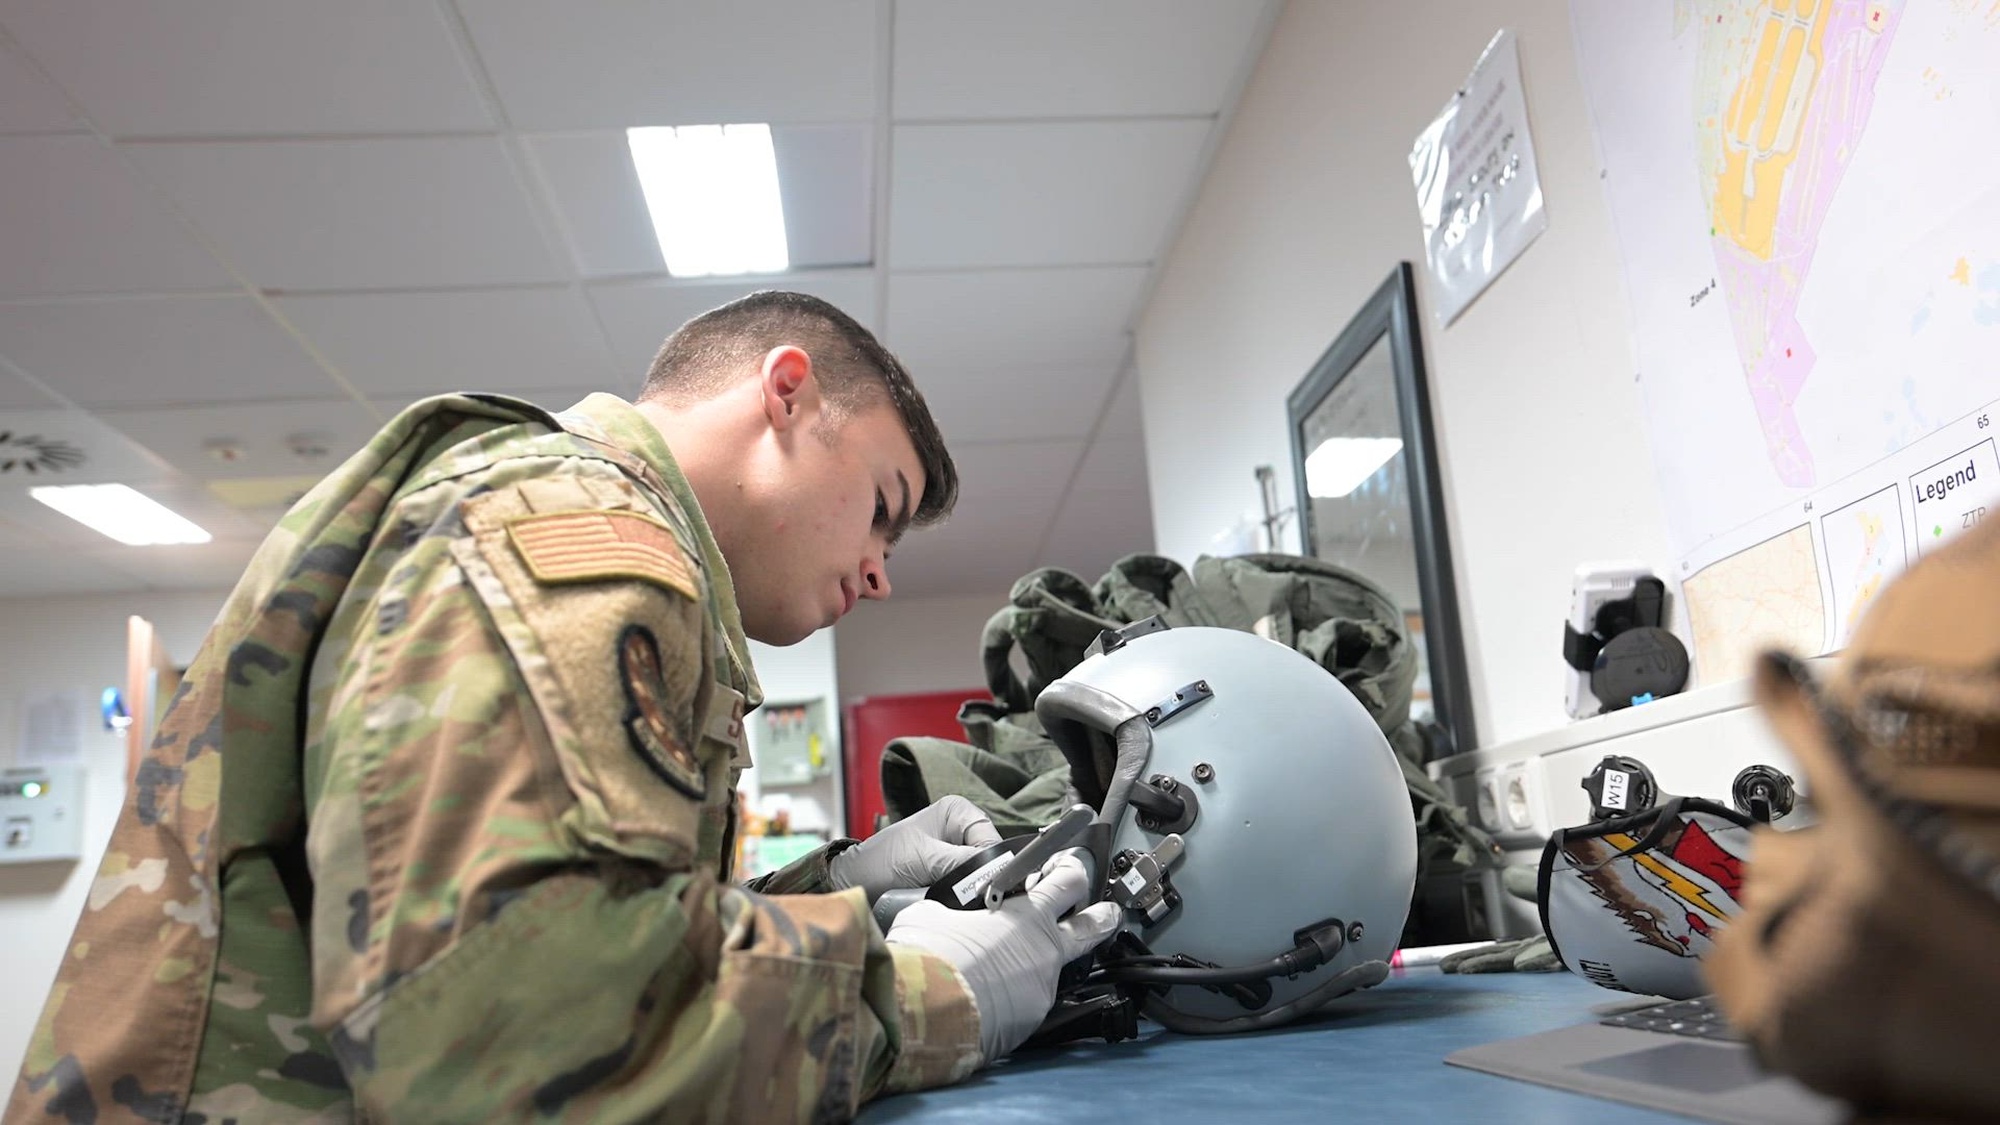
{"x":1421,"y":955}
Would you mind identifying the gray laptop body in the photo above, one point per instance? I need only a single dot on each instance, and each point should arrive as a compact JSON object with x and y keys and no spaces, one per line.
{"x":1719,"y":1081}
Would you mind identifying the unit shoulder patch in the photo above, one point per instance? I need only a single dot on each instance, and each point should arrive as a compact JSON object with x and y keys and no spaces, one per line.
{"x":595,"y":546}
{"x":648,"y":722}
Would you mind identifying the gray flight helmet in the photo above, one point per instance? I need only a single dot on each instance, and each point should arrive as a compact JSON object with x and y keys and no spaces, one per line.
{"x":1265,"y":792}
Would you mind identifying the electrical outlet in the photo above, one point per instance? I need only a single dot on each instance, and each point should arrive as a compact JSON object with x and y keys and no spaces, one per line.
{"x":1517,"y":807}
{"x":1487,"y":799}
{"x":1504,"y":797}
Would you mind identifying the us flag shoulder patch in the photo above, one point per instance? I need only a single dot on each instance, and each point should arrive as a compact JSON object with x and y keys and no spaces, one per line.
{"x":561,"y":547}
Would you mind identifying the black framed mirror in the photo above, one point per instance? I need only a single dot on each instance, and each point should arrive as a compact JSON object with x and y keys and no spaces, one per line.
{"x":1369,"y":495}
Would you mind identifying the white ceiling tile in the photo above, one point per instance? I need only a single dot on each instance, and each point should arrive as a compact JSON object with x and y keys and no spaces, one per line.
{"x":1020,"y":403}
{"x":17,"y":535}
{"x":27,"y":103}
{"x":267,"y":517}
{"x":157,"y":350}
{"x":45,"y":525}
{"x":638,"y":317}
{"x":1124,"y":418}
{"x":271,"y":67}
{"x":1003,"y":320}
{"x":598,"y":202}
{"x":1055,"y":58}
{"x":193,"y":499}
{"x":260,"y":433}
{"x":17,"y":393}
{"x":43,"y":571}
{"x":33,"y":526}
{"x":73,"y":220}
{"x":1096,"y":529}
{"x":986,"y":544}
{"x":1114,"y":464}
{"x":196,"y":566}
{"x":1091,"y":192}
{"x":826,"y":176}
{"x":434,"y":342}
{"x":358,"y":214}
{"x":599,"y":64}
{"x":555,"y":400}
{"x":1039,"y":469}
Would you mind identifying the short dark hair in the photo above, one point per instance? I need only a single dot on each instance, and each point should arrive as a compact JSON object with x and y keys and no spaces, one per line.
{"x":705,"y":356}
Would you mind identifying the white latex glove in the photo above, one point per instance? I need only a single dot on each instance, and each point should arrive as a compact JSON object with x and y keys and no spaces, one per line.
{"x":1010,"y":957}
{"x":916,"y":851}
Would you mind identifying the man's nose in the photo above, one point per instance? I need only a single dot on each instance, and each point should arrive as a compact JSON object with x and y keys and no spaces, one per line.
{"x":874,"y":579}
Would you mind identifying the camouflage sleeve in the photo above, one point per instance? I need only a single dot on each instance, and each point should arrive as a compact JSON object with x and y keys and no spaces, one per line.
{"x":810,"y":874}
{"x":515,"y":911}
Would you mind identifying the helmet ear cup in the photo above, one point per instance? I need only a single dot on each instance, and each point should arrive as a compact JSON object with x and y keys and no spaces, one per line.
{"x":1084,"y":748}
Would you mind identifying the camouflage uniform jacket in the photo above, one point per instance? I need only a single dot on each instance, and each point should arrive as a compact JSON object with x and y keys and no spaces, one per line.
{"x":438,"y":827}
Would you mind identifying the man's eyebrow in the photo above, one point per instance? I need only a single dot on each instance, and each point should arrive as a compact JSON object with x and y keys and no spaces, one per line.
{"x":901,"y":523}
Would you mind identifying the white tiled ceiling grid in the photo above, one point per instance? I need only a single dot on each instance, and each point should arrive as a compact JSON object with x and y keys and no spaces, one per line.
{"x":255,"y":221}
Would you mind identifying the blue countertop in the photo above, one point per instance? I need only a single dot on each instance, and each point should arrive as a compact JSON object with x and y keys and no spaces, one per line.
{"x":1377,"y":1056}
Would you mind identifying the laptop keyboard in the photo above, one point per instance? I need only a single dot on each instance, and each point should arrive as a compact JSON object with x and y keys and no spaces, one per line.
{"x":1696,"y":1018}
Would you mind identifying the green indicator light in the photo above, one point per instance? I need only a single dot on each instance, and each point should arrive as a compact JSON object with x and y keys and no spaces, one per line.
{"x":31,"y":789}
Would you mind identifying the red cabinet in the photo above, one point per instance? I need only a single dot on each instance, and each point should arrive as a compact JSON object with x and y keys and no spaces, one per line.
{"x":871,"y":723}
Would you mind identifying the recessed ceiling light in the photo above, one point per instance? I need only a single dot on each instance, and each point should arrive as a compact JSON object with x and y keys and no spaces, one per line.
{"x":712,"y":191}
{"x":122,"y":513}
{"x":1339,"y":465}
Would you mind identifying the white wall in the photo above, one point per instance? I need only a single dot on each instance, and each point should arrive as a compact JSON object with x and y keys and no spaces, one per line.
{"x":925,"y":644}
{"x":74,"y":647}
{"x":798,"y":674}
{"x":1307,"y":208}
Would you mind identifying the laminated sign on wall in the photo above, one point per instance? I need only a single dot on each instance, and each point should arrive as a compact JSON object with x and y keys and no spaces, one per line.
{"x":1477,"y":189}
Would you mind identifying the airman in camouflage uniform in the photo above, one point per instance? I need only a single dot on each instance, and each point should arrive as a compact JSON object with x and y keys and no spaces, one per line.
{"x":438,"y":826}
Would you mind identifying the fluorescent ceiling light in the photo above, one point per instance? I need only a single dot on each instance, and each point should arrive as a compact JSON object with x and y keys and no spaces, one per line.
{"x":713,"y":194}
{"x":1339,"y":465}
{"x":121,"y":513}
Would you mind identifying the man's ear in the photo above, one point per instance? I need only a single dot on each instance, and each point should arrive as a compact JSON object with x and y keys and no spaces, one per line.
{"x":790,"y":393}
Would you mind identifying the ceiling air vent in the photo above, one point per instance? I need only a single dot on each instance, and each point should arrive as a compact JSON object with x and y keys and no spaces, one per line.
{"x":33,"y":454}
